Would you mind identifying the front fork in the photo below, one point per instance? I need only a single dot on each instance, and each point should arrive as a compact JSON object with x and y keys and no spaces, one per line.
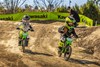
{"x":65,"y":47}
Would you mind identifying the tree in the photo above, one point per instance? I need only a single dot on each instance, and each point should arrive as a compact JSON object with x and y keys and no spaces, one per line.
{"x":28,"y":8}
{"x":1,"y":6}
{"x":77,"y":8}
{"x":91,"y":10}
{"x":12,"y":5}
{"x":50,"y":5}
{"x":36,"y":7}
{"x":96,"y":2}
{"x":61,"y":9}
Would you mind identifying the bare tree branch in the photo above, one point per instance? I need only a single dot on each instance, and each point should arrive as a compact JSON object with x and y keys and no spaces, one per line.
{"x":49,"y":4}
{"x":58,"y":4}
{"x":12,"y":5}
{"x":43,"y":1}
{"x":22,"y":3}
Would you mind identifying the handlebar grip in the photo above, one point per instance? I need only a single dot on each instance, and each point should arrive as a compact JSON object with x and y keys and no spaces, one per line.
{"x":18,"y":28}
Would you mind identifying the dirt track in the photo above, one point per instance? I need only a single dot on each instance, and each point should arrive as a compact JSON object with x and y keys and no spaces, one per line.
{"x":42,"y":49}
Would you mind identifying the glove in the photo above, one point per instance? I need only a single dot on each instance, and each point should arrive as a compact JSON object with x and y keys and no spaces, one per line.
{"x":18,"y":28}
{"x":32,"y":30}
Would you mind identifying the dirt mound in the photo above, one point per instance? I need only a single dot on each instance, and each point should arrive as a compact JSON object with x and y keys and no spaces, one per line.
{"x":42,"y":49}
{"x":45,"y":39}
{"x":83,"y":32}
{"x":90,"y":39}
{"x":8,"y":59}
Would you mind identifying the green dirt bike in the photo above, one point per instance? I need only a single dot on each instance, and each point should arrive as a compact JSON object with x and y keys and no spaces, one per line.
{"x":24,"y":40}
{"x":66,"y":49}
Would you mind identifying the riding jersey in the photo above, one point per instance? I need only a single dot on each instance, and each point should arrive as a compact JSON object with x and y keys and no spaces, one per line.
{"x":23,"y":26}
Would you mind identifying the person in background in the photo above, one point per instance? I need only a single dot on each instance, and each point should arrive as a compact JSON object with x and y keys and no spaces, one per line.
{"x":75,"y":15}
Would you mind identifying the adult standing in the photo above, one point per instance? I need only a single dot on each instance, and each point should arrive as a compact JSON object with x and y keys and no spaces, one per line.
{"x":75,"y":15}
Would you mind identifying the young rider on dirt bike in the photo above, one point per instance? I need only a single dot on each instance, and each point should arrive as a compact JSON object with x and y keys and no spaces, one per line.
{"x":69,"y":21}
{"x":66,"y":31}
{"x":24,"y":26}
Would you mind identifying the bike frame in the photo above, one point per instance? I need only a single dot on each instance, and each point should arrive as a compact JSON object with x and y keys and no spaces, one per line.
{"x":68,"y":42}
{"x":24,"y":36}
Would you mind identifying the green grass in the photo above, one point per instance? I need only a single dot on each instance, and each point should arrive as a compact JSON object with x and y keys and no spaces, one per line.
{"x":50,"y":16}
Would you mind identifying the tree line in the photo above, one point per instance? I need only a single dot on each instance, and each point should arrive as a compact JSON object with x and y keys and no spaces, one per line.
{"x":90,"y":9}
{"x":15,"y":6}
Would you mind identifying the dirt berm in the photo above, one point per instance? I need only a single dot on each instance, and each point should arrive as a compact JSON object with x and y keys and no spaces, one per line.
{"x":42,"y":49}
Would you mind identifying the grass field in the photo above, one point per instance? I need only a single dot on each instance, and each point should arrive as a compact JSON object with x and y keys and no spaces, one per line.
{"x":44,"y":16}
{"x":50,"y":16}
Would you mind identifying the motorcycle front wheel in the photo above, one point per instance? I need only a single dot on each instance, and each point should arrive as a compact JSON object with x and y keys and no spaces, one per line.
{"x":67,"y":53}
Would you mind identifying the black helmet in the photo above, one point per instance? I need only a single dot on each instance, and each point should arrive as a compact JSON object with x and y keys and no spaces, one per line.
{"x":26,"y":17}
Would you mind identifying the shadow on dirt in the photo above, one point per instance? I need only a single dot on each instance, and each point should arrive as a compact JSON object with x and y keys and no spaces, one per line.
{"x":81,"y":27}
{"x":45,"y":21}
{"x":36,"y":53}
{"x":84,"y":61}
{"x":88,"y":51}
